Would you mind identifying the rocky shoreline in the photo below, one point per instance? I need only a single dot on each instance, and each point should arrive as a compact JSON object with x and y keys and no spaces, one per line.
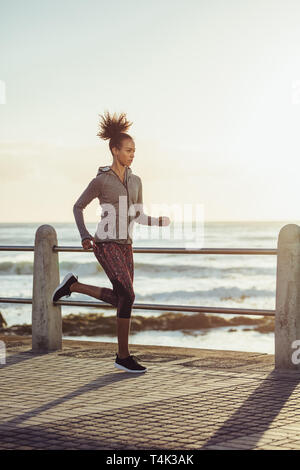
{"x":94,"y":324}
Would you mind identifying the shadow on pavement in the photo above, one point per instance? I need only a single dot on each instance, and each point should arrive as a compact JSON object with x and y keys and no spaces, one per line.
{"x":20,"y":356}
{"x":102,"y":381}
{"x":258,"y":411}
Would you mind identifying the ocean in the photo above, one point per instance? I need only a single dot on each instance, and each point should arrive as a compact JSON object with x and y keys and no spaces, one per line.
{"x":238,"y":281}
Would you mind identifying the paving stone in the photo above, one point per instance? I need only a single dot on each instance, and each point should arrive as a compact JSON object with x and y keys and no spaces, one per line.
{"x":67,"y":401}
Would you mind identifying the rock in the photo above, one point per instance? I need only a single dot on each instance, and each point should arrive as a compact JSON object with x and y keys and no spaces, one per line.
{"x":93,"y":324}
{"x":2,"y":321}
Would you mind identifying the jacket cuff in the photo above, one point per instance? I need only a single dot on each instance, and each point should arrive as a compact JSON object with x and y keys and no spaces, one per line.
{"x":89,"y":237}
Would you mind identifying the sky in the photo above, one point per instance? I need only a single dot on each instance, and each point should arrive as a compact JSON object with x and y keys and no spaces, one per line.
{"x":212,"y":89}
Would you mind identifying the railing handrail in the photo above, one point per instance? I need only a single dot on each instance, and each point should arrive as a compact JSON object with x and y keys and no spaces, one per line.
{"x":144,"y":306}
{"x":16,"y":247}
{"x":136,"y":249}
{"x":179,"y":250}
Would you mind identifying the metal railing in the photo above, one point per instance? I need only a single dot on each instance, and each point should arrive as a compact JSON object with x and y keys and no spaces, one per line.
{"x":181,"y":308}
{"x":47,"y":319}
{"x":157,"y":307}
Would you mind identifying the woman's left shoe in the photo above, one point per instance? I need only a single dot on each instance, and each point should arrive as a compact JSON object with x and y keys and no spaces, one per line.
{"x":129,"y":364}
{"x":64,"y":287}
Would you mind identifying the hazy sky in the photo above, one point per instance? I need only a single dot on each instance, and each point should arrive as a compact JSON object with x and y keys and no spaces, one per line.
{"x":212,"y":88}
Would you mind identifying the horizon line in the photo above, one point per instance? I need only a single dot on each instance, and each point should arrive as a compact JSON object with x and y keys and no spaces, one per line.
{"x":190,"y":220}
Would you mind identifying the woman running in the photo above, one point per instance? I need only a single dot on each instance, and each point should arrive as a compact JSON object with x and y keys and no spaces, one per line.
{"x":120,"y":195}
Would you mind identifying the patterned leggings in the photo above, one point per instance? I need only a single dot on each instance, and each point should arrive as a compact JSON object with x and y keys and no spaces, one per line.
{"x":117,"y":261}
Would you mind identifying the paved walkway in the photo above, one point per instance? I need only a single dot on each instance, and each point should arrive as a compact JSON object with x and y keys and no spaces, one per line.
{"x":188,"y":399}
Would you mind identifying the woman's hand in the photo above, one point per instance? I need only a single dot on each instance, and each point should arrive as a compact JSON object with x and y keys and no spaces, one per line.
{"x":87,"y":243}
{"x":164,"y":221}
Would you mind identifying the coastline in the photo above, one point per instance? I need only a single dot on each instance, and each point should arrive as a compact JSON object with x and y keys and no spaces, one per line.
{"x":208,"y":358}
{"x":94,"y":324}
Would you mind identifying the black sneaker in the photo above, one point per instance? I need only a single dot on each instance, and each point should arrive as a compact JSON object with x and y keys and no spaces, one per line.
{"x":129,"y":364}
{"x":64,"y":287}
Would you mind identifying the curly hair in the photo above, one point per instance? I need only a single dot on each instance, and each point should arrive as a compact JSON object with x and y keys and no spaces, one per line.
{"x":114,"y":128}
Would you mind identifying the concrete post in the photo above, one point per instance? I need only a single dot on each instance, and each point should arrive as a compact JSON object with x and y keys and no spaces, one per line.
{"x":287,"y":317}
{"x":46,"y":317}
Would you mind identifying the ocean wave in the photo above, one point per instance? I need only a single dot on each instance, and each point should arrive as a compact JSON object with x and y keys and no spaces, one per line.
{"x":19,"y":267}
{"x":222,"y":293}
{"x":204,"y":271}
{"x":93,"y":267}
{"x":26,"y":267}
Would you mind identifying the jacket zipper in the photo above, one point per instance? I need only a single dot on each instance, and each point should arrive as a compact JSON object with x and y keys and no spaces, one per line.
{"x":127,"y":193}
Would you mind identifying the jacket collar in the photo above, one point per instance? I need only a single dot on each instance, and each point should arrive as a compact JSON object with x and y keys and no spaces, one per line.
{"x":107,"y":169}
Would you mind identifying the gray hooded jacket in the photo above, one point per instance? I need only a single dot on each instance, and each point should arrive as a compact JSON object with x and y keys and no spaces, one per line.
{"x":121,"y":203}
